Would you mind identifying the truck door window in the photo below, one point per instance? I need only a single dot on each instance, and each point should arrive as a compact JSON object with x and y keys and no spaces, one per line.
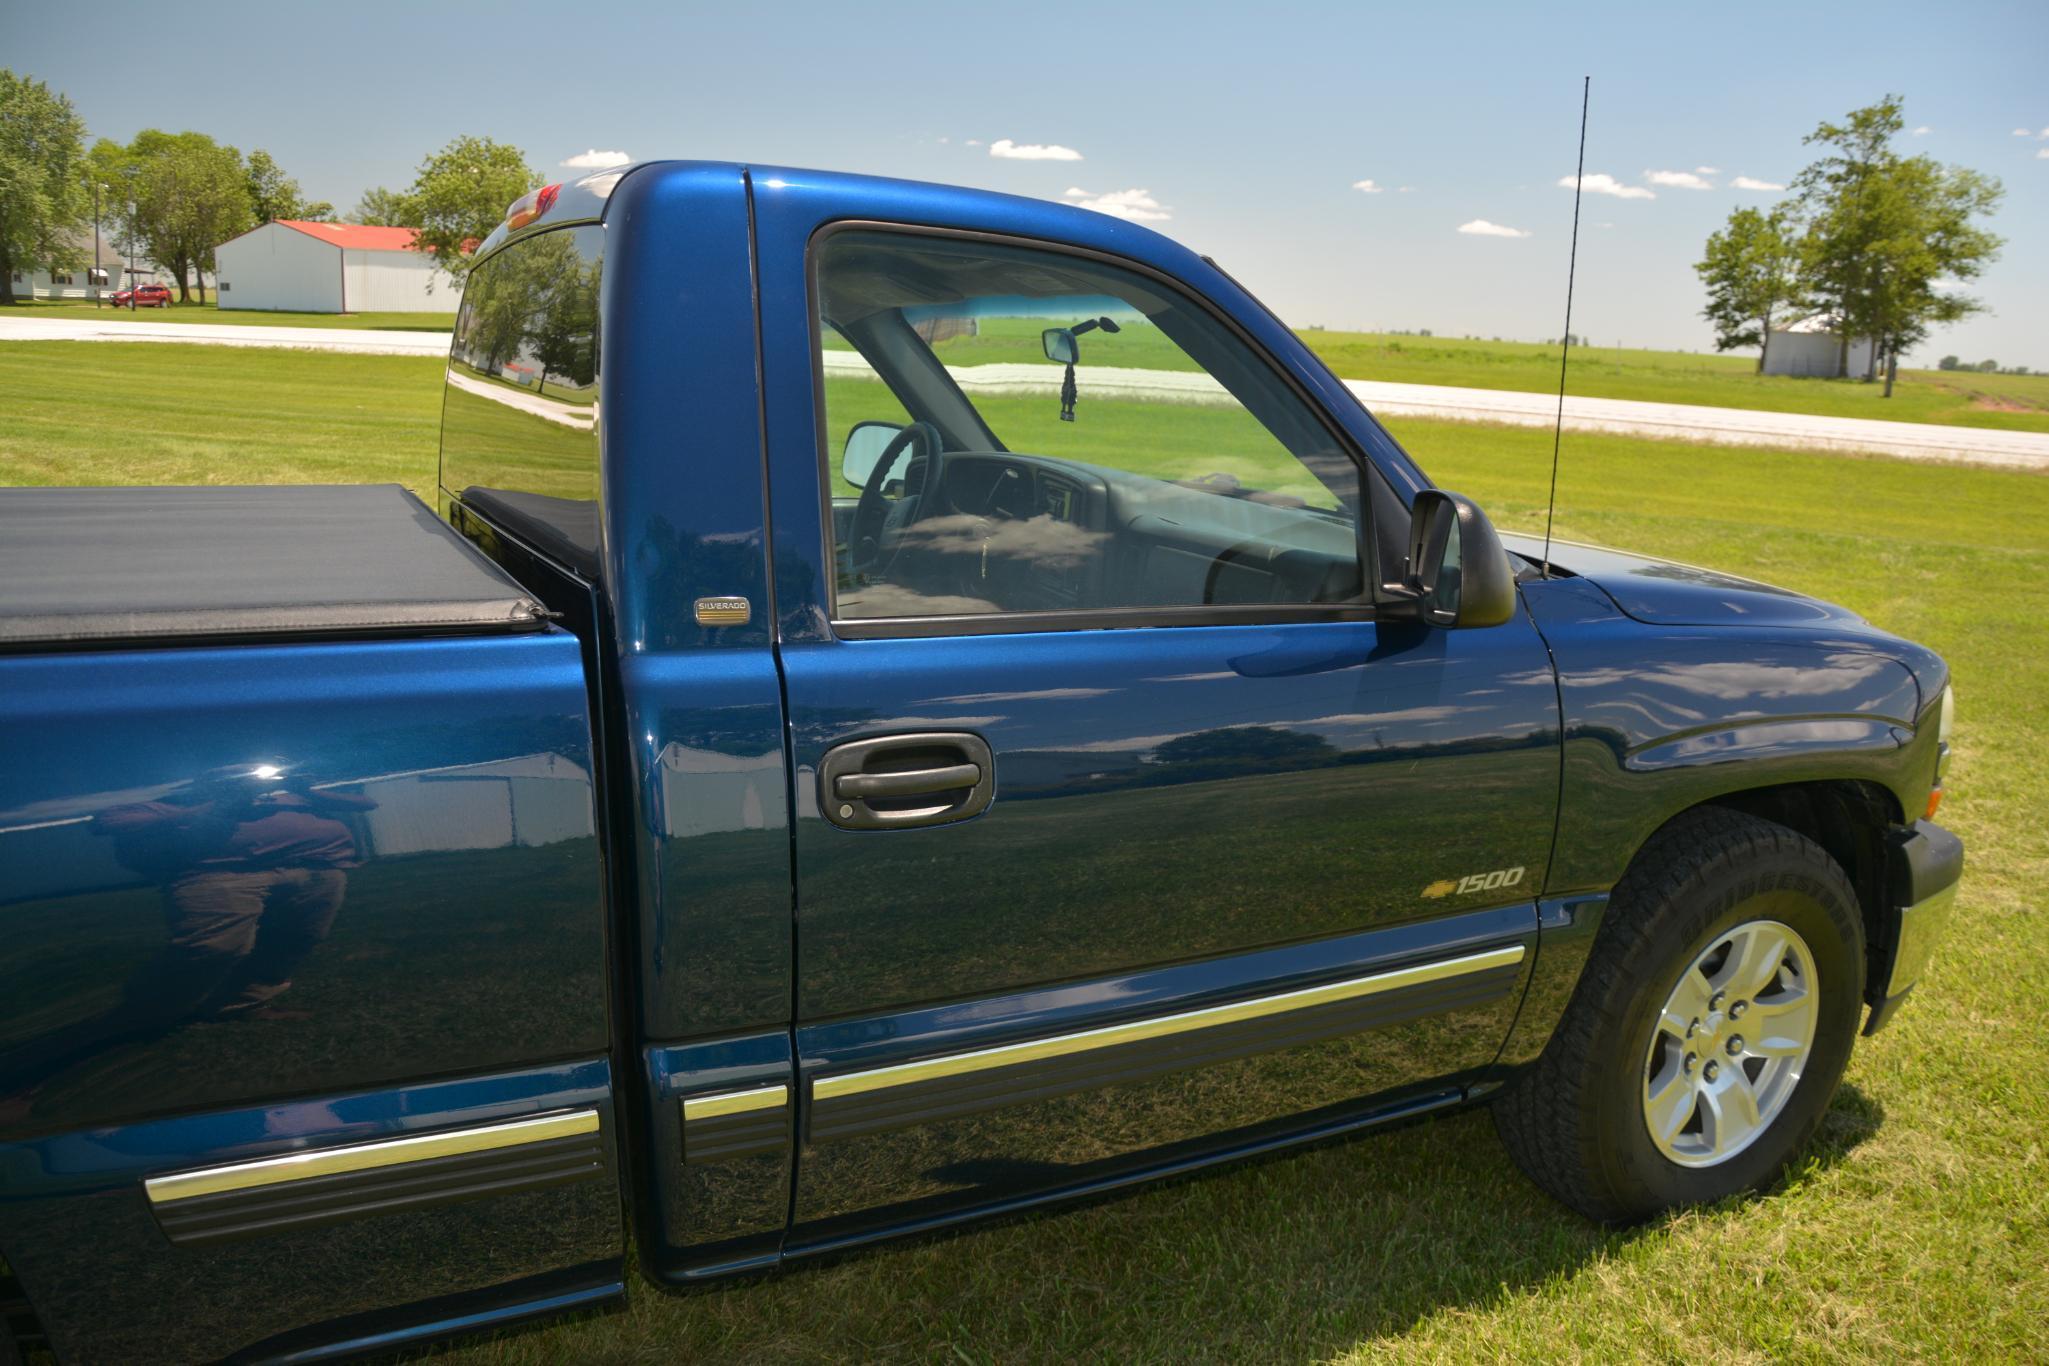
{"x":1062,"y":435}
{"x":519,"y":412}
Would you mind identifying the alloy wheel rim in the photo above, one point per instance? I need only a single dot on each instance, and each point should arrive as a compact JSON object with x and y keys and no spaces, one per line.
{"x":1728,"y":1049}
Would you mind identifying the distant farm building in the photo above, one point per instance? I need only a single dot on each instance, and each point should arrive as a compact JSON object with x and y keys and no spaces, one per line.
{"x":331,"y":268}
{"x":1812,"y":349}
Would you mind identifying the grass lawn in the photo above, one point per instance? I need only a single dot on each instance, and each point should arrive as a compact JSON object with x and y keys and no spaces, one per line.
{"x":1918,"y":1225}
{"x":159,"y":413}
{"x":211,"y":312}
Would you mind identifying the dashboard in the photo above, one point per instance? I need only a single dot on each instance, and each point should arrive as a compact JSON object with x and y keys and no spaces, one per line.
{"x":1028,"y":533}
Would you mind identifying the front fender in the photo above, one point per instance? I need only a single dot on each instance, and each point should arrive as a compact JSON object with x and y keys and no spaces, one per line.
{"x":1659,"y":719}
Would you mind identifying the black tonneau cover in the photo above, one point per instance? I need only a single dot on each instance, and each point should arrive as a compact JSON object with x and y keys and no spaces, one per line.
{"x":134,"y":564}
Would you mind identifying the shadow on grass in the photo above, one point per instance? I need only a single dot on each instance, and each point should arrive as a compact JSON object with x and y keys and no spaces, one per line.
{"x":1297,"y":1256}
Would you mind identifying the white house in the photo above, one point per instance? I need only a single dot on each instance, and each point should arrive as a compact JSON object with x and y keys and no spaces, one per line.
{"x":78,"y":283}
{"x":1811,"y":348}
{"x":330,"y":268}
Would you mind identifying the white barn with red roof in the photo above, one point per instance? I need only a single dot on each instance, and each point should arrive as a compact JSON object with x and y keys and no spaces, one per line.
{"x":304,"y":267}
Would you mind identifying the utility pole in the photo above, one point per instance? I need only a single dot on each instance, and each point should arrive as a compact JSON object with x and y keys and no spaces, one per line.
{"x":99,"y":275}
{"x":129,"y":172}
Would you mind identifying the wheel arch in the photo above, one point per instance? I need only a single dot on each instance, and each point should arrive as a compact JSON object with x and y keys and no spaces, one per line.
{"x":1849,"y":819}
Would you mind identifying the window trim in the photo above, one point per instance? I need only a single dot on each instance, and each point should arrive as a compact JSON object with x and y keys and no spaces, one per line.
{"x":1366,"y":531}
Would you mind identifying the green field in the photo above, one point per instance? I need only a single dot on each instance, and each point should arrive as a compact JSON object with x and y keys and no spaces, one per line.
{"x":211,"y":312}
{"x":1917,"y":1227}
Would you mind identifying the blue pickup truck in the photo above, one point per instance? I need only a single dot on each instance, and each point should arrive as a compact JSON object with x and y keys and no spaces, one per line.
{"x":914,"y":704}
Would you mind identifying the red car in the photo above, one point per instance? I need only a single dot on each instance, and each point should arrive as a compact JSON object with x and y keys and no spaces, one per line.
{"x":143,"y":296}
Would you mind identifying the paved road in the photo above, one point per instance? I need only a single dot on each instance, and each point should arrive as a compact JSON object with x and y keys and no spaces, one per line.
{"x":1686,"y":422}
{"x":581,"y":416}
{"x":93,"y":327}
{"x":1723,"y":426}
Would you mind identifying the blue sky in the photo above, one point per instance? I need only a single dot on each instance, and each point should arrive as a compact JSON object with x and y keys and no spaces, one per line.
{"x":1243,"y":128}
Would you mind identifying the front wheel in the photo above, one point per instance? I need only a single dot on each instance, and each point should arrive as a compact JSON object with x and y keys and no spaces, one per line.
{"x":1709,"y":1030}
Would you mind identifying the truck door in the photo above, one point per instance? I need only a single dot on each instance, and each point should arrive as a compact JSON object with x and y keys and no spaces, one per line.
{"x":1124,"y":834}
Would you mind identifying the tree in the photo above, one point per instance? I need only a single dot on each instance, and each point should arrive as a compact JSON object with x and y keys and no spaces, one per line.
{"x":1751,"y":270}
{"x":1834,"y":194}
{"x":186,"y":196}
{"x":382,"y":208}
{"x":1946,"y":363}
{"x":274,"y":195}
{"x":559,"y":332}
{"x":1883,"y":229}
{"x":45,"y":194}
{"x":461,"y":194}
{"x":1927,"y":239}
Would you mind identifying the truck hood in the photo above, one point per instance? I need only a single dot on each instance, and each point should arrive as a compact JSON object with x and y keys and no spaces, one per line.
{"x":1665,"y":593}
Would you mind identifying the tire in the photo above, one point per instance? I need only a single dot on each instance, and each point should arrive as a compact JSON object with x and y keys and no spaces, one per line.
{"x":1708,"y":888}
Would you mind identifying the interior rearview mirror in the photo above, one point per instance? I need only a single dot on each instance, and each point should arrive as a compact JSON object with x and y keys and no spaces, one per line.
{"x":1061,"y":347}
{"x":1456,"y":572}
{"x":865,"y":445}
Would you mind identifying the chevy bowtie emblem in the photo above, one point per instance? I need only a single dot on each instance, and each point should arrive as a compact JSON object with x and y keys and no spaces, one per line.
{"x":1438,"y":889}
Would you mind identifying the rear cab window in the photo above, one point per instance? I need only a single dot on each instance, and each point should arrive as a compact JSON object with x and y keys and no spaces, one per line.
{"x":519,"y":440}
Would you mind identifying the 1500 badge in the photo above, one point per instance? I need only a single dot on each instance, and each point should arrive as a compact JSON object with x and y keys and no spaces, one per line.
{"x":1474,"y":882}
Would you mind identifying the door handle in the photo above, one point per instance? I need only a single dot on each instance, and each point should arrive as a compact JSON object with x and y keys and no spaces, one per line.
{"x":904,"y":781}
{"x":917,"y":782}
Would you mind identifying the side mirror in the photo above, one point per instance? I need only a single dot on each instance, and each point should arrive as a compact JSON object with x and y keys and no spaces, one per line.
{"x":1061,"y":347}
{"x":1457,"y":574}
{"x":865,"y":445}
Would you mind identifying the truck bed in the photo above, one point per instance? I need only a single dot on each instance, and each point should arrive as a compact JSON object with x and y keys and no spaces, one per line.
{"x":165,"y":565}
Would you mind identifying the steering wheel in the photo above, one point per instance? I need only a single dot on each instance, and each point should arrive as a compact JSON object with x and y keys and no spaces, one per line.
{"x":871,"y":521}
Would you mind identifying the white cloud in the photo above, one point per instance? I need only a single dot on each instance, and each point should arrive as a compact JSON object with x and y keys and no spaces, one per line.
{"x":1032,"y":151}
{"x":1367,"y":187}
{"x":1602,"y":183}
{"x":974,"y":142}
{"x":1923,"y":131}
{"x":1137,"y":206}
{"x":1707,"y":170}
{"x":1744,"y":182}
{"x":1406,"y":189}
{"x":594,"y":160}
{"x":1678,"y":180}
{"x":1480,"y":227}
{"x":2042,"y":155}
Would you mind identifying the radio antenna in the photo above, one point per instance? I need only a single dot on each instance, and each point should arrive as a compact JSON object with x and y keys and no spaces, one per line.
{"x":1579,"y":176}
